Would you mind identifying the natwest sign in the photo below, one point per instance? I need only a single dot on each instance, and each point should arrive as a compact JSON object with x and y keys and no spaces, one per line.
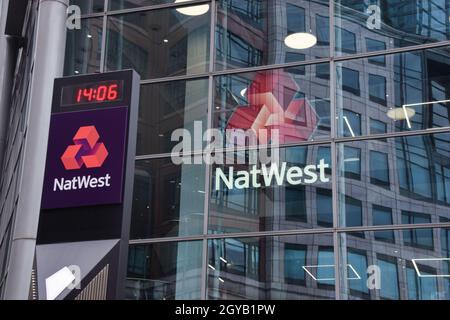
{"x":85,"y":158}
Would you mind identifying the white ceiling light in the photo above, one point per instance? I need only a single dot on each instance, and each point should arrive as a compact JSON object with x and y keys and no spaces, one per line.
{"x":300,"y":40}
{"x":193,"y":10}
{"x":403,"y":113}
{"x":243,"y":92}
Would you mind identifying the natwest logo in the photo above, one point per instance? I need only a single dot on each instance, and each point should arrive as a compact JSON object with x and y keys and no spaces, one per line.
{"x":89,"y":170}
{"x":86,"y":150}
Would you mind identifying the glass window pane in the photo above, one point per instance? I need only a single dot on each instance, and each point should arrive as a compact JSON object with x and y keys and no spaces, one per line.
{"x":353,"y":212}
{"x":382,"y":216}
{"x":168,"y":199}
{"x":352,"y":162}
{"x":349,"y":80}
{"x":375,"y":45}
{"x":83,"y":48}
{"x":351,"y":123}
{"x":394,"y":271}
{"x":170,"y":106}
{"x":403,"y":174}
{"x":396,"y":23}
{"x":252,"y":33}
{"x":245,"y":197}
{"x":271,"y":268}
{"x":89,"y":6}
{"x":128,"y":4}
{"x":379,"y":168}
{"x":158,"y":43}
{"x":377,"y":89}
{"x":410,"y":92}
{"x":164,"y":271}
{"x":276,"y":104}
{"x":377,"y":127}
{"x":324,"y":208}
{"x":347,"y":42}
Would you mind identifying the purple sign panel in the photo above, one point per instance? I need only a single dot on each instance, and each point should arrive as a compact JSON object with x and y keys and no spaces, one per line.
{"x":85,"y":158}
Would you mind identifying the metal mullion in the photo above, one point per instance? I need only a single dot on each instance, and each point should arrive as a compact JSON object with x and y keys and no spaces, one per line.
{"x":433,"y":45}
{"x":394,"y":227}
{"x":208,"y":167}
{"x":176,"y":78}
{"x":309,"y":143}
{"x":292,"y":232}
{"x":235,"y":149}
{"x":271,"y":66}
{"x":103,"y":48}
{"x":394,"y":135}
{"x":334,"y":161}
{"x":92,"y":15}
{"x":293,"y":64}
{"x":170,"y":5}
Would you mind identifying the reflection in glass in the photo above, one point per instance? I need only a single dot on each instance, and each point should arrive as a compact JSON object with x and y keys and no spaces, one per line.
{"x":408,"y":91}
{"x":83,"y":48}
{"x":128,"y":4}
{"x":271,"y":207}
{"x":166,"y":107}
{"x":168,"y":199}
{"x":402,"y":176}
{"x":272,"y":268}
{"x":395,"y":271}
{"x":389,"y":24}
{"x":279,"y":100}
{"x":89,"y":6}
{"x":158,"y":43}
{"x":164,"y":271}
{"x":251,"y":33}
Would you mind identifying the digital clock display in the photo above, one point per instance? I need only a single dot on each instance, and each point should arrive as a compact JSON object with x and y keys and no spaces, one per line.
{"x":99,"y":92}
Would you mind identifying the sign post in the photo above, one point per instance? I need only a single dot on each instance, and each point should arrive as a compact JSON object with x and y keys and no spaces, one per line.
{"x":83,"y":233}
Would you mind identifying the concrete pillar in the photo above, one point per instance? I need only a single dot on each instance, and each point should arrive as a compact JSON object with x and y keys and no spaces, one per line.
{"x":48,"y":64}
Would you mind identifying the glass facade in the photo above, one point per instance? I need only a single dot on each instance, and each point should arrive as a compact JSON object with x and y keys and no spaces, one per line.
{"x":354,"y":131}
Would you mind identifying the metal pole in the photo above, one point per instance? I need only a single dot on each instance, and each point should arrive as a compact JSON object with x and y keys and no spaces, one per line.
{"x":48,"y":64}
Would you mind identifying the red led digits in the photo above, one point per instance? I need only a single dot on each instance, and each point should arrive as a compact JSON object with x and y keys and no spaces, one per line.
{"x":113,"y":92}
{"x":106,"y":91}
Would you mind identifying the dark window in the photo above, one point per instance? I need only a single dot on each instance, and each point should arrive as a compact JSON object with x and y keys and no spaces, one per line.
{"x":377,"y":127}
{"x":323,"y":30}
{"x":352,"y":162}
{"x":325,"y":154}
{"x":351,"y":123}
{"x":357,"y":261}
{"x":323,"y":71}
{"x":295,"y":19}
{"x":350,"y":81}
{"x":348,"y":41}
{"x":250,"y":10}
{"x":232,"y":48}
{"x":421,"y":288}
{"x":379,"y":168}
{"x":375,"y":45}
{"x":377,"y":89}
{"x":419,"y":238}
{"x":389,"y":288}
{"x":294,"y":260}
{"x":324,"y":207}
{"x":322,"y":107}
{"x":295,"y":57}
{"x":295,"y":203}
{"x":413,"y":165}
{"x":382,"y":216}
{"x":242,"y":257}
{"x":325,"y":274}
{"x":353,"y":214}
